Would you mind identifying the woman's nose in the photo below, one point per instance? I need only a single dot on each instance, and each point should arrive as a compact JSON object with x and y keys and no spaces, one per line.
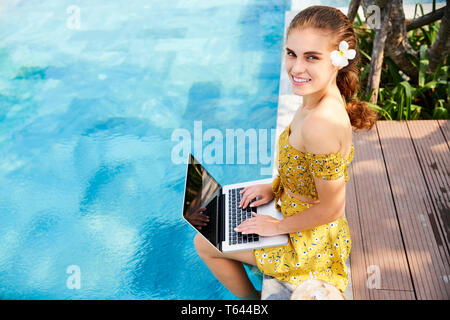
{"x":299,"y":67}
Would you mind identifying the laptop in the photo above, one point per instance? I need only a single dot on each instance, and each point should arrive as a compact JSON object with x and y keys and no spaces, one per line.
{"x":203,"y":195}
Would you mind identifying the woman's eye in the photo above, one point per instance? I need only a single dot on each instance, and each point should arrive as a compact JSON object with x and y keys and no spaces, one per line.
{"x":314,"y":57}
{"x":289,"y":53}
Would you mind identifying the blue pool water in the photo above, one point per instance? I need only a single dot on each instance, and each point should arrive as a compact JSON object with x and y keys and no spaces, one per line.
{"x":90,"y":94}
{"x":86,"y":117}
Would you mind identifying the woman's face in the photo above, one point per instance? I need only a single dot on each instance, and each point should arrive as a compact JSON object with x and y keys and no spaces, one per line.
{"x":308,"y":61}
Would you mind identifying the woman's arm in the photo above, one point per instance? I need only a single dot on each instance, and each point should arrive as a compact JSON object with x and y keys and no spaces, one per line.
{"x":330,"y":208}
{"x":320,"y":139}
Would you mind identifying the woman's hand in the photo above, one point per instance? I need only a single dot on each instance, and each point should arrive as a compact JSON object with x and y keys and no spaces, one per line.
{"x":263,"y":191}
{"x":259,"y":224}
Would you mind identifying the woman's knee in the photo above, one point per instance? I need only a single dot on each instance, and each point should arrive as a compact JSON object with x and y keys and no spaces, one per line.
{"x":202,"y":246}
{"x":206,"y":250}
{"x":197,"y":242}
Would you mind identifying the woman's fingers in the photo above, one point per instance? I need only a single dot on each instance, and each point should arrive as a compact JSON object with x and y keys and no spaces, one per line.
{"x":247,"y":226}
{"x":247,"y":229}
{"x":246,"y":193}
{"x":243,"y":199}
{"x":249,"y":193}
{"x":244,"y":196}
{"x":258,"y":202}
{"x":246,"y":199}
{"x":244,"y":190}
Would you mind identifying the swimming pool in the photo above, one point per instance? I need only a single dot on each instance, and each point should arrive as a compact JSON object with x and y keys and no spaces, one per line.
{"x":90,"y":95}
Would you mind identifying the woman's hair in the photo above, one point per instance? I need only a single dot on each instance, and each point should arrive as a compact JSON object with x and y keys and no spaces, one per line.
{"x":339,"y":26}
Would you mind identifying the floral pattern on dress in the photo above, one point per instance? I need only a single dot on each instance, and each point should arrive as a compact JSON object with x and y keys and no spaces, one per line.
{"x":322,"y":251}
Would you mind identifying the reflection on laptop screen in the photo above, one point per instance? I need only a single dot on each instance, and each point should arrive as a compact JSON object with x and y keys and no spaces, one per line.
{"x":201,"y":191}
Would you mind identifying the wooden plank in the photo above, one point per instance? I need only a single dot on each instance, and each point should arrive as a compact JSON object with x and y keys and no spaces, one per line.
{"x":382,"y":243}
{"x":445,"y":128}
{"x":429,"y":271}
{"x":392,"y":295}
{"x":434,"y":158}
{"x":357,"y":259}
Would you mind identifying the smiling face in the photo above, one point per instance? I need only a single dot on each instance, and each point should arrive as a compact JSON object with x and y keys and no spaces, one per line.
{"x":308,"y":62}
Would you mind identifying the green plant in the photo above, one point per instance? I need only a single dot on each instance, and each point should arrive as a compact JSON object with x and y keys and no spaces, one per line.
{"x":399,"y":97}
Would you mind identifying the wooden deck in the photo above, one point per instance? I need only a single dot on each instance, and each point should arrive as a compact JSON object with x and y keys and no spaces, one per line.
{"x":398,"y":200}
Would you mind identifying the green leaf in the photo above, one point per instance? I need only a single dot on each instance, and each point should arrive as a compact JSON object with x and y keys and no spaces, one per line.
{"x":369,"y":95}
{"x":434,"y":32}
{"x":442,"y":72}
{"x":365,"y":55}
{"x":393,"y":70}
{"x":416,"y":111}
{"x":380,"y":96}
{"x":358,"y":18}
{"x":415,"y":9}
{"x":440,"y":113}
{"x":379,"y":109}
{"x":430,"y":85}
{"x":394,"y":91}
{"x":407,"y":94}
{"x":423,"y":65}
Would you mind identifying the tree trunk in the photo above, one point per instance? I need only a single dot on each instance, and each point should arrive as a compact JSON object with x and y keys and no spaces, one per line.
{"x":425,"y":19}
{"x":367,"y":3}
{"x":377,"y":55}
{"x":353,"y":10}
{"x":440,"y":48}
{"x":396,"y":46}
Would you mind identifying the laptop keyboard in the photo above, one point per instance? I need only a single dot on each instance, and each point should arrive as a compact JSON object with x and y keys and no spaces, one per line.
{"x":237,"y":216}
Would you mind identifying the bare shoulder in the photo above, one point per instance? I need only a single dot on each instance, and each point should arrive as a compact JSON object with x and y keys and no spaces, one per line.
{"x":324,"y":130}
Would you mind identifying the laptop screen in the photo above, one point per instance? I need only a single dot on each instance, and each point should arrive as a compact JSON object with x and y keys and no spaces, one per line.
{"x":201,"y":198}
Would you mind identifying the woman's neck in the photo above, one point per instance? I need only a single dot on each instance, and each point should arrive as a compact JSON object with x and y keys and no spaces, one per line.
{"x":312,"y":101}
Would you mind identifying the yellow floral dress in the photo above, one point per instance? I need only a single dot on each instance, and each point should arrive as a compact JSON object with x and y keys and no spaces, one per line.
{"x":322,"y":251}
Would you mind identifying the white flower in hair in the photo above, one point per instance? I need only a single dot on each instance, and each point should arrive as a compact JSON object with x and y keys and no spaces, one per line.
{"x":340,"y":58}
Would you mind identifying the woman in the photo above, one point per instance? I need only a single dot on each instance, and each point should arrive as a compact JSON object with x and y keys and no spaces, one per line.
{"x":313,"y":153}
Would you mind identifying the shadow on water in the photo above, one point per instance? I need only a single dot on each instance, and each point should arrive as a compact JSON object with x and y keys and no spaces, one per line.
{"x":102,"y":177}
{"x":121,"y":126}
{"x":31,"y":73}
{"x":130,"y":139}
{"x":203,"y":98}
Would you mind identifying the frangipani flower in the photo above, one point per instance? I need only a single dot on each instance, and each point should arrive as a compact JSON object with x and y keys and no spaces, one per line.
{"x":340,"y":58}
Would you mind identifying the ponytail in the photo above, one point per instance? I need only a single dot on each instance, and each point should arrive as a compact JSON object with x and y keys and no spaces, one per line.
{"x":361,"y":115}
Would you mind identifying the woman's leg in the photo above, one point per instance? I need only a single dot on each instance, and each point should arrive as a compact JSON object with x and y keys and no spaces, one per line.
{"x":227,"y":267}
